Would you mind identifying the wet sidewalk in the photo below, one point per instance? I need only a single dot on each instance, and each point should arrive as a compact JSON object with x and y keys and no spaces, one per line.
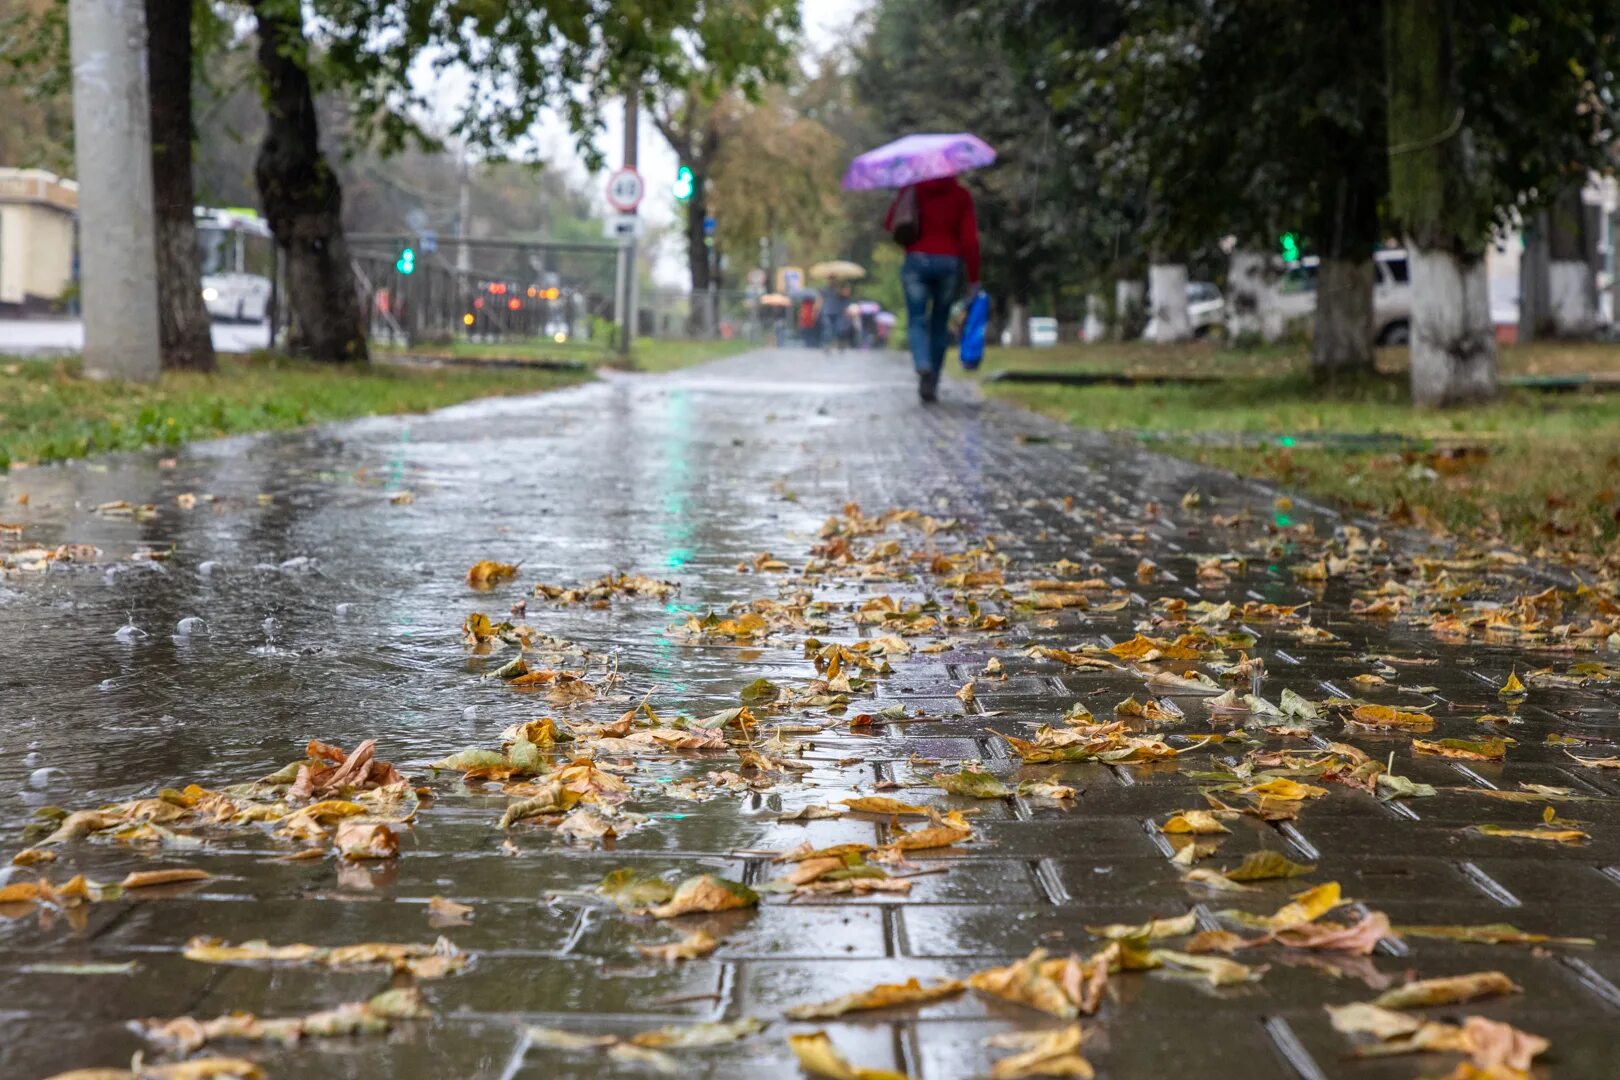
{"x":1275,"y":659}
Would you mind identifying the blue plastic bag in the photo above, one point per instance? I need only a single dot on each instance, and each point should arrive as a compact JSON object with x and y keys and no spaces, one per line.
{"x":973,"y":328}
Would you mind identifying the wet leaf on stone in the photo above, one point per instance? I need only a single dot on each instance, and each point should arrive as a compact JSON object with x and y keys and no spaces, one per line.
{"x":689,"y":1036}
{"x":813,"y":812}
{"x":486,"y":574}
{"x":1450,"y":990}
{"x":819,"y":1057}
{"x":759,"y":692}
{"x":1052,"y":1054}
{"x":443,"y":913}
{"x":1489,"y":934}
{"x":882,"y":804}
{"x":1198,"y":822}
{"x":366,"y":840}
{"x":705,"y":893}
{"x":1553,"y":836}
{"x":142,"y":879}
{"x":1152,"y":930}
{"x":1464,"y":749}
{"x":881,"y":996}
{"x":973,"y":784}
{"x":1267,"y":866}
{"x":630,"y":888}
{"x":1387,"y":716}
{"x":696,"y":944}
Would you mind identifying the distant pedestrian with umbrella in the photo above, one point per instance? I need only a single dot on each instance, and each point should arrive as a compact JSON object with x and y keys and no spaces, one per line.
{"x":933,"y":218}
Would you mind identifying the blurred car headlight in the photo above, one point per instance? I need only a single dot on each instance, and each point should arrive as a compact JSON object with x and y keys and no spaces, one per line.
{"x":210,"y":294}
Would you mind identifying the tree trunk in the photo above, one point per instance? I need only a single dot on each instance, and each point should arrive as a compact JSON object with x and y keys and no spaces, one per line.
{"x":1018,"y":322}
{"x":1128,"y":309}
{"x":1533,"y":278}
{"x":1251,"y":313}
{"x":1430,"y":178}
{"x":302,"y":198}
{"x":1571,"y":287}
{"x":1167,"y":289}
{"x":1342,"y":336}
{"x":183,"y":325}
{"x":1453,"y":346}
{"x":1095,"y":327}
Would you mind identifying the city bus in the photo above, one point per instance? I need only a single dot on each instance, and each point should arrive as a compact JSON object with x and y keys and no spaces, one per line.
{"x":237,"y":257}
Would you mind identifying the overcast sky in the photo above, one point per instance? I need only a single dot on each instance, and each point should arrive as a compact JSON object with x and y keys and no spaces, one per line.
{"x":826,"y":22}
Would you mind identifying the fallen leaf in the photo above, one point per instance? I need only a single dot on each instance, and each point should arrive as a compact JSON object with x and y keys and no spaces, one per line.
{"x":705,"y":893}
{"x":1197,"y":822}
{"x":443,"y":913}
{"x":1489,"y":934}
{"x":1387,"y":716}
{"x":141,"y":879}
{"x":696,"y":944}
{"x":1306,"y":907}
{"x":881,"y":996}
{"x":818,"y":1057}
{"x":1362,"y":1018}
{"x":366,"y":840}
{"x":688,"y":1036}
{"x":1451,"y":990}
{"x":813,"y":812}
{"x":1283,"y":788}
{"x":1054,"y":1054}
{"x":1037,"y":982}
{"x":973,"y":784}
{"x":1464,"y":749}
{"x":882,"y":804}
{"x":1556,"y":836}
{"x":486,"y":574}
{"x":1266,"y":866}
{"x":1357,"y":939}
{"x":631,"y":888}
{"x":1152,"y":930}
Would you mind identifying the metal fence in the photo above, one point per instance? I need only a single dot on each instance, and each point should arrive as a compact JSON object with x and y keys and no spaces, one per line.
{"x":496,"y":291}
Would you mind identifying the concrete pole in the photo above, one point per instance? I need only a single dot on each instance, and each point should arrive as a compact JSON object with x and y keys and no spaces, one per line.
{"x":112,"y":143}
{"x":632,"y":131}
{"x":463,"y":212}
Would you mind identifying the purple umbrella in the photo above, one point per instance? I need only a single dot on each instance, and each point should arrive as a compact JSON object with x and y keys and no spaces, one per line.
{"x":916,"y":158}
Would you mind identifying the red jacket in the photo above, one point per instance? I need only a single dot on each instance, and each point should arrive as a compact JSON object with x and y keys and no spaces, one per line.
{"x":948,"y":224}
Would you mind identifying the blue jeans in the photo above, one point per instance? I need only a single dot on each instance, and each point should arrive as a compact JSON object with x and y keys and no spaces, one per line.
{"x":931,"y":283}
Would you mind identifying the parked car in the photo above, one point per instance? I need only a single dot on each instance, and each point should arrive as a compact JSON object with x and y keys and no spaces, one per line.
{"x":1206,"y":309}
{"x":1043,"y":331}
{"x":1392,"y":294}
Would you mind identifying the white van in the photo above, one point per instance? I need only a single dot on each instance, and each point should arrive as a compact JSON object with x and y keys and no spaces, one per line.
{"x":1392,"y":295}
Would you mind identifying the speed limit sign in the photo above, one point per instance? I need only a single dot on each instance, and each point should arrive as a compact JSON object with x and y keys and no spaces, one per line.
{"x":625,"y":189}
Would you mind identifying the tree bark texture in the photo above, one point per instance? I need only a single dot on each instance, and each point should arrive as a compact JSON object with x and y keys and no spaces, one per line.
{"x":1167,"y":291}
{"x":1129,"y":309}
{"x":184,"y":330}
{"x":1251,"y":309}
{"x":1431,"y":195}
{"x":1571,"y":310}
{"x":302,"y":198}
{"x":1342,"y":336}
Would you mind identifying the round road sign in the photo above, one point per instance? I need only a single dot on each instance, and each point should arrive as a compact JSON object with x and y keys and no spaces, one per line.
{"x":625,"y":189}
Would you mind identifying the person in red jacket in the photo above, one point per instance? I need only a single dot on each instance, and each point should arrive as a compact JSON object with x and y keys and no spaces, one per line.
{"x":945,"y":252}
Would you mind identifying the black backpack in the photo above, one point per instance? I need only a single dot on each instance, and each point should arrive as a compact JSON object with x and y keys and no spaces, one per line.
{"x":905,"y":223}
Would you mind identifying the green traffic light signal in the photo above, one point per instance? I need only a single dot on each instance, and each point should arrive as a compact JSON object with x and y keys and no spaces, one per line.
{"x":406,"y":263}
{"x":684,"y":184}
{"x":1288,"y":243}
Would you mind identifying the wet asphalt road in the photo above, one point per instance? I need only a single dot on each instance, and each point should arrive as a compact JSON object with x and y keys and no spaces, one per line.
{"x":330,"y":609}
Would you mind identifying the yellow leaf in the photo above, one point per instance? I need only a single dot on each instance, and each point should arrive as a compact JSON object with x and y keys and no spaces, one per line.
{"x":366,"y":840}
{"x":1555,"y":836}
{"x":881,"y":996}
{"x":1513,"y":689}
{"x":486,"y":574}
{"x":882,"y":804}
{"x":141,"y":879}
{"x":819,"y":1057}
{"x":705,"y":893}
{"x":1446,"y":991}
{"x":1307,"y":906}
{"x":1053,"y":1053}
{"x":1152,"y":930}
{"x":1388,"y":716}
{"x":696,"y":944}
{"x":1028,"y":982}
{"x":1201,"y":822}
{"x":1283,"y":788}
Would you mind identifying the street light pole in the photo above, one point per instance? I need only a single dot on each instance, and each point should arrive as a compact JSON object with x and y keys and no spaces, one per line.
{"x":112,"y":145}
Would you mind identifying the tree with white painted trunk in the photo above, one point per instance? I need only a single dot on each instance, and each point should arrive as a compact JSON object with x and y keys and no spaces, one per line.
{"x":1438,"y":202}
{"x":1167,"y":294}
{"x":1571,"y":310}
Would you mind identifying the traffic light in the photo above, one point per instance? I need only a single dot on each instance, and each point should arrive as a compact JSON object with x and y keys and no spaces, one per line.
{"x":406,"y":263}
{"x":1288,"y":243}
{"x":684,"y":184}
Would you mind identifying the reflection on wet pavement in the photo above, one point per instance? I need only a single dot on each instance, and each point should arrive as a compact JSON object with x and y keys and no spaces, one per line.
{"x":286,"y":588}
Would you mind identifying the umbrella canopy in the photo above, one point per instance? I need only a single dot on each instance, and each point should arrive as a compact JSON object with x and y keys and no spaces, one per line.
{"x":774,"y":299}
{"x":870,"y":307}
{"x":884,"y":318}
{"x":916,"y":158}
{"x":838,"y":270}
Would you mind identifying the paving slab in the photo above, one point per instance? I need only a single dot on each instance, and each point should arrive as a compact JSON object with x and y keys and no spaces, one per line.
{"x":257,"y":593}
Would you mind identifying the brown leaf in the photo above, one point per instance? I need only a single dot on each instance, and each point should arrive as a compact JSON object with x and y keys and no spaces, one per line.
{"x":1053,"y":1053}
{"x":696,"y":944}
{"x":366,"y":840}
{"x":1450,"y":990}
{"x":486,"y":574}
{"x":443,"y":913}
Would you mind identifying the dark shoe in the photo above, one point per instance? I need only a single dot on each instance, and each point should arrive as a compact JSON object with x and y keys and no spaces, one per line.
{"x":928,"y":386}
